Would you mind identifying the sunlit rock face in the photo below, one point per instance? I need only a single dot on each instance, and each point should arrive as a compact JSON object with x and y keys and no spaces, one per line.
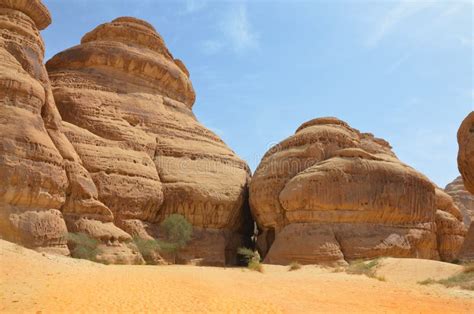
{"x":331,"y":194}
{"x":466,"y":151}
{"x":126,"y":106}
{"x":45,"y":188}
{"x":462,"y":198}
{"x":34,"y":181}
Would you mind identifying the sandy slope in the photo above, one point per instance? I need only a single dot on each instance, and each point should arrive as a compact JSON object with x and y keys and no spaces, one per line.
{"x":31,"y":282}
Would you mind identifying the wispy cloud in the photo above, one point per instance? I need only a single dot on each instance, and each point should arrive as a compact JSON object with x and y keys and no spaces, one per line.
{"x":398,"y":63}
{"x":211,"y":46}
{"x":466,"y":41}
{"x":398,"y":14}
{"x":193,"y":6}
{"x":238,"y":29}
{"x":236,"y":33}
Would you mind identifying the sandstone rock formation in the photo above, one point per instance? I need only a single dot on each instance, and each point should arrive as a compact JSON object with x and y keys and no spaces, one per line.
{"x":43,"y":177}
{"x":34,"y":182}
{"x":463,"y":199}
{"x":466,"y":253}
{"x":466,"y":151}
{"x":331,"y":194}
{"x":126,"y":106}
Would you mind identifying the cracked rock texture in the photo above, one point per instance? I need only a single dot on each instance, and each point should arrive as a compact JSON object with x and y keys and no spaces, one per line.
{"x":466,"y":152}
{"x":331,"y":194}
{"x":126,"y":106}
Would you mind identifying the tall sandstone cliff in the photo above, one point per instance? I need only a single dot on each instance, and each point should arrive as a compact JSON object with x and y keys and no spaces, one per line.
{"x":32,"y":150}
{"x":126,"y":106}
{"x":331,"y":194}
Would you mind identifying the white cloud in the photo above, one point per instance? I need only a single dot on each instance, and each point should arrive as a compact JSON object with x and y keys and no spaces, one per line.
{"x":402,"y":11}
{"x":236,"y":33}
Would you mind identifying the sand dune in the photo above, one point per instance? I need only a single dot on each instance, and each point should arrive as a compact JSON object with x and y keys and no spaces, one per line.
{"x":32,"y":282}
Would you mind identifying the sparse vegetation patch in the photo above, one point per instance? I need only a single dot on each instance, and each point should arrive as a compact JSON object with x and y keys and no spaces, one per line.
{"x":83,"y":246}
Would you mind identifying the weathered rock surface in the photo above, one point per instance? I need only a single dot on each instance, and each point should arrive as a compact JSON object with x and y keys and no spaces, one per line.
{"x":330,"y":194}
{"x":34,"y":182}
{"x":466,"y":151}
{"x":466,"y":253}
{"x":45,"y":187}
{"x":462,"y":198}
{"x":127,"y":104}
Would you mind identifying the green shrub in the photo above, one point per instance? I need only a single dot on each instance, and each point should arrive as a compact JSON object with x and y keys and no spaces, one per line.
{"x":178,"y":232}
{"x":252,"y":258}
{"x":147,"y":248}
{"x":294,"y":266}
{"x":255,"y":266}
{"x":83,"y":246}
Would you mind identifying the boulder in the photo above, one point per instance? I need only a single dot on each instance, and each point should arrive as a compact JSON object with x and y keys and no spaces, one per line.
{"x":126,"y":105}
{"x":466,"y":151}
{"x":330,"y":194}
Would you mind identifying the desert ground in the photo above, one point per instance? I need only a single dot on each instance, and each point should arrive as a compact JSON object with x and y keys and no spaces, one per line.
{"x":33,"y":282}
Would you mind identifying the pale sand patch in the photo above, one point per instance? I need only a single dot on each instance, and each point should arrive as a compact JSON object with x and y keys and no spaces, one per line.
{"x":31,"y":282}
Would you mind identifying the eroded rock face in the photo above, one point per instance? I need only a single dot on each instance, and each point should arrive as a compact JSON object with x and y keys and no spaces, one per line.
{"x":463,"y":199}
{"x":34,"y":182}
{"x":466,"y":253}
{"x":127,"y":104}
{"x":330,"y":194}
{"x":45,"y":187}
{"x":466,"y":151}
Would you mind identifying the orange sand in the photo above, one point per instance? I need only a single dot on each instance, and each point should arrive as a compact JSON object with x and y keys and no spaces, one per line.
{"x":31,"y":282}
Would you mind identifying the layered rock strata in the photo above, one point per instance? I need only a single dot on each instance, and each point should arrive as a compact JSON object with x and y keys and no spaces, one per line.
{"x":126,"y":105}
{"x":331,"y":194}
{"x":34,"y":181}
{"x":44,"y":180}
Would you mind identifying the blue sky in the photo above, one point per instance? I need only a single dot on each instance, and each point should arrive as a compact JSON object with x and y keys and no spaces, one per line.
{"x":402,"y":70}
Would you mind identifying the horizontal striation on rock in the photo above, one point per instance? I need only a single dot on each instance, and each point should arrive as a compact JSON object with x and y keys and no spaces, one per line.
{"x":331,"y":194}
{"x":46,"y":188}
{"x":127,"y":104}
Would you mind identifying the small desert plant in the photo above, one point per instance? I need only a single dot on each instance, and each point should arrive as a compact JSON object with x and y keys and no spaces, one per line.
{"x":463,"y":280}
{"x":294,"y":266}
{"x":146,"y":247}
{"x":426,"y":282}
{"x":367,"y":268}
{"x":255,"y":266}
{"x":252,"y":258}
{"x":178,"y":231}
{"x":83,"y":246}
